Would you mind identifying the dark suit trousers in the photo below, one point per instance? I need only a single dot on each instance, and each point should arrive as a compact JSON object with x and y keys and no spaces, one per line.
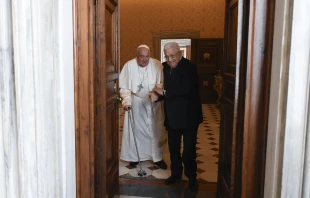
{"x":188,"y":154}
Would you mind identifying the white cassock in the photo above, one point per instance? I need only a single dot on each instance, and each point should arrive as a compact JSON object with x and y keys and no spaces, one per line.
{"x":135,"y":84}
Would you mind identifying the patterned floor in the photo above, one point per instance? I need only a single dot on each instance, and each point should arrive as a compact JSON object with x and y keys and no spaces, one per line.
{"x":207,"y":151}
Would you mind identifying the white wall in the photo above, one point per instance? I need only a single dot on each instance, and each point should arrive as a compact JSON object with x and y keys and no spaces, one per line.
{"x":37,"y":151}
{"x":288,"y":150}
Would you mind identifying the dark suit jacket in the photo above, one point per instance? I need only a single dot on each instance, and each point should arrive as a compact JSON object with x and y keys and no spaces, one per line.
{"x":182,"y":98}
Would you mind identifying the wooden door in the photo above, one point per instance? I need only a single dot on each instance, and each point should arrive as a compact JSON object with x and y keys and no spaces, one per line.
{"x":232,"y":107}
{"x":207,"y":54}
{"x":106,"y":89}
{"x":96,"y":91}
{"x":245,"y":103}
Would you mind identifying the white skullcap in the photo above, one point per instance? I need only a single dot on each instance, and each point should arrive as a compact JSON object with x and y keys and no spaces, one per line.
{"x":144,"y":46}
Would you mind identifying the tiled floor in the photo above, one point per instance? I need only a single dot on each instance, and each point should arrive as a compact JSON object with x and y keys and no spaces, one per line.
{"x":207,"y":153}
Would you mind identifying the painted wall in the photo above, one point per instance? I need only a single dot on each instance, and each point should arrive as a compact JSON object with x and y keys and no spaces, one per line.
{"x":37,"y":133}
{"x":140,"y":18}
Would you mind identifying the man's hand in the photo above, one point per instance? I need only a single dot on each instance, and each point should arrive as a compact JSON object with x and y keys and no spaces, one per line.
{"x":127,"y":107}
{"x":153,"y":96}
{"x":158,"y":90}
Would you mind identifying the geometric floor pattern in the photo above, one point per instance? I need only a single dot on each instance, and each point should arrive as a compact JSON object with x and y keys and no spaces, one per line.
{"x":207,"y":151}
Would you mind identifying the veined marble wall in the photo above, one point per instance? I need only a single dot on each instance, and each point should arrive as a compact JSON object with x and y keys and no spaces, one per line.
{"x":139,"y":19}
{"x":9,"y":185}
{"x":288,"y":149}
{"x":37,"y":153}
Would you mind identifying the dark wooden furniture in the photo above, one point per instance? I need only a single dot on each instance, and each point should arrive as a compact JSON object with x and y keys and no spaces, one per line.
{"x":207,"y":53}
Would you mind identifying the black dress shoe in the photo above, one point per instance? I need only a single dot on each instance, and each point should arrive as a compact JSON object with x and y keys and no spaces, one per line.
{"x":193,"y":184}
{"x":161,"y":164}
{"x":172,"y":179}
{"x":133,"y":164}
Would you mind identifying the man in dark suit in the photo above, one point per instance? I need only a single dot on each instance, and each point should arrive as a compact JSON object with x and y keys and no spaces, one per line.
{"x":183,"y":113}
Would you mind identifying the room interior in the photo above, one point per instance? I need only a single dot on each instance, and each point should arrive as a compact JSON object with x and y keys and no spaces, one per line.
{"x":149,"y":22}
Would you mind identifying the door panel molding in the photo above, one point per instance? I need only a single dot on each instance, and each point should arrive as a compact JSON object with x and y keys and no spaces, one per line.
{"x":207,"y":54}
{"x":228,"y":155}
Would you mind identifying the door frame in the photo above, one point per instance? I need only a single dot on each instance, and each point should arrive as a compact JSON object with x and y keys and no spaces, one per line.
{"x":252,"y":95}
{"x":182,"y":34}
{"x":84,"y":63}
{"x":257,"y":94}
{"x":287,"y":164}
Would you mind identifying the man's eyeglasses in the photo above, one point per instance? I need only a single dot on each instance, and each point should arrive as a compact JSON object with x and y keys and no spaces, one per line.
{"x":172,"y":56}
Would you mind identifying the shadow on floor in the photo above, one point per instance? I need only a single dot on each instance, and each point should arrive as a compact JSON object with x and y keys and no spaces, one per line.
{"x":142,"y":187}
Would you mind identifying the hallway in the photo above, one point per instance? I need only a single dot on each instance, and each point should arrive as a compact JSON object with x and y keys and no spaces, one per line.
{"x":207,"y":159}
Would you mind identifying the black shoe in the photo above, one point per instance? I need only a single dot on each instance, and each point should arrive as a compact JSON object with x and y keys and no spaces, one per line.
{"x":133,"y":164}
{"x":172,"y":179}
{"x":193,"y":184}
{"x":161,"y":164}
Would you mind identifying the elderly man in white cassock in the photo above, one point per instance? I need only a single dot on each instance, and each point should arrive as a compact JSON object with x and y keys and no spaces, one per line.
{"x":137,"y":79}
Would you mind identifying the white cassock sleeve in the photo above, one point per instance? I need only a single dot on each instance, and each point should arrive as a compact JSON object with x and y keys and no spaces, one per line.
{"x":126,"y":97}
{"x":160,"y":77}
{"x":157,"y":74}
{"x":125,"y":85}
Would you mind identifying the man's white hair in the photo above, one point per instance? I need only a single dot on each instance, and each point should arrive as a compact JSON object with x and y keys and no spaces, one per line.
{"x":173,"y":45}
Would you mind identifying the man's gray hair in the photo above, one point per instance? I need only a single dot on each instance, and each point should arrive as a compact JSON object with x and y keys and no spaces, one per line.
{"x":173,"y":45}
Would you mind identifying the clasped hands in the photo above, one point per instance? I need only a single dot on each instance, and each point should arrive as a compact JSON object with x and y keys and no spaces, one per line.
{"x":155,"y":93}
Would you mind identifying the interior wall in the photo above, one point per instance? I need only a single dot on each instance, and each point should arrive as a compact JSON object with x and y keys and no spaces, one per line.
{"x":139,"y":19}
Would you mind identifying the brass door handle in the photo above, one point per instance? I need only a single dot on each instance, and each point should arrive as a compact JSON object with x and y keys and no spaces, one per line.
{"x":119,"y":99}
